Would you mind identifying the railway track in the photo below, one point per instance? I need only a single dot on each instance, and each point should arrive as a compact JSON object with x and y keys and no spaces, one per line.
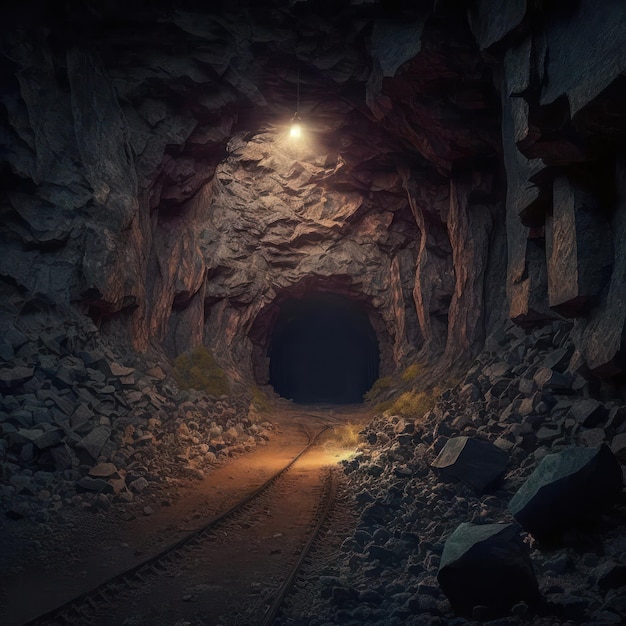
{"x":326,"y":503}
{"x":88,"y":607}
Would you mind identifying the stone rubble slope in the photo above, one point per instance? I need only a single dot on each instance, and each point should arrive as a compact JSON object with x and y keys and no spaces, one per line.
{"x":524,"y":394}
{"x":83,"y":425}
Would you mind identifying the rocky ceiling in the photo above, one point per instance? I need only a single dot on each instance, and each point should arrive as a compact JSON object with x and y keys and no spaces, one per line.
{"x":378,"y":86}
{"x":149,"y":182}
{"x":377,"y":82}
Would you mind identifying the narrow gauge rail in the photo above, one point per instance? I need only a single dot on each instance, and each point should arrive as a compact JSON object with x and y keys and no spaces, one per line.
{"x":79,"y":609}
{"x":325,"y":506}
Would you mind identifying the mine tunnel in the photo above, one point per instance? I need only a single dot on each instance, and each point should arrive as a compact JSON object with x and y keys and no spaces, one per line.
{"x":323,"y":349}
{"x":221,"y":222}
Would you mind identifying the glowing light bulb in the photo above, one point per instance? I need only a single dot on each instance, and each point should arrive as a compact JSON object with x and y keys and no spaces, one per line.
{"x":296,"y":130}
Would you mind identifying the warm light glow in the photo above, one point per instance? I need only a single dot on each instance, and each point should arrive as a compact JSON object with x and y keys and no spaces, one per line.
{"x":296,"y":130}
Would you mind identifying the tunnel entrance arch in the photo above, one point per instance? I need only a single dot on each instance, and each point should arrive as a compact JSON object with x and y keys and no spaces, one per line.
{"x":322,"y":348}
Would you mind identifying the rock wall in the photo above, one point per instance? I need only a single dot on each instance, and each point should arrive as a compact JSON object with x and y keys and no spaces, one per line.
{"x":147,"y":181}
{"x":112,"y":205}
{"x":563,"y":91}
{"x":80,"y":228}
{"x":277,"y":228}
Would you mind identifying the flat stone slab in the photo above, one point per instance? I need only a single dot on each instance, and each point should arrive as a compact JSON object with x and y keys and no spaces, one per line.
{"x":566,"y":488}
{"x":618,"y":447}
{"x":49,"y":439}
{"x":103,"y":470}
{"x":120,"y":370}
{"x":475,"y":462}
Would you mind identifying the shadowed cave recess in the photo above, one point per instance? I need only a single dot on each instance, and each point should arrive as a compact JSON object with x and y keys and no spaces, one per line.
{"x":323,"y":349}
{"x":451,"y":222}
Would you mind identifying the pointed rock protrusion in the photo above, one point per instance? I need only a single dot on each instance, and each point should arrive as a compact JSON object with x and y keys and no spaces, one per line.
{"x":566,"y":488}
{"x":95,"y":440}
{"x":489,"y":566}
{"x":475,"y":462}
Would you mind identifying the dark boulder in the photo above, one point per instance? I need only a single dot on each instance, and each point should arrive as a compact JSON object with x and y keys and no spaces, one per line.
{"x":475,"y":462}
{"x":567,"y":488}
{"x":14,"y":376}
{"x":95,"y":485}
{"x":588,"y":412}
{"x":609,"y":575}
{"x":488,"y":566}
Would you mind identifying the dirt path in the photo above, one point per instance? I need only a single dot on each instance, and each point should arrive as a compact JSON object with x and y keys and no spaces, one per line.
{"x":228,"y":579}
{"x":90,"y":548}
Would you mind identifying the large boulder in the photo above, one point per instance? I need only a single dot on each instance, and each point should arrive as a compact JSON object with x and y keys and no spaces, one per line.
{"x":475,"y":462}
{"x":567,"y":488}
{"x":488,"y":566}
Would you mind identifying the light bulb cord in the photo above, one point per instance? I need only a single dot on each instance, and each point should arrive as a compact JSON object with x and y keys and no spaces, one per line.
{"x":298,"y":90}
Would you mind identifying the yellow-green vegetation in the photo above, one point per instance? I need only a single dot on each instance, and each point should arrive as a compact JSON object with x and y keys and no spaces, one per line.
{"x":381,"y":385}
{"x":199,"y":370}
{"x":343,"y":440}
{"x":347,"y":435}
{"x":408,"y":393}
{"x":411,"y":372}
{"x":386,"y":383}
{"x":411,"y":403}
{"x":260,"y":400}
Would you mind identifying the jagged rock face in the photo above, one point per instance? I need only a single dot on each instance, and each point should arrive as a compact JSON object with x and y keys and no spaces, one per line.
{"x":276,"y":229}
{"x":148,"y":183}
{"x":564,"y":165}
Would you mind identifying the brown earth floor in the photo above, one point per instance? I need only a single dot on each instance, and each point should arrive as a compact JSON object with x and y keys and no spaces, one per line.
{"x":43,"y":566}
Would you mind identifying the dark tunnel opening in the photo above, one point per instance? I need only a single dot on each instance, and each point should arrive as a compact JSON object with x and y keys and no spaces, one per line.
{"x":323,"y":350}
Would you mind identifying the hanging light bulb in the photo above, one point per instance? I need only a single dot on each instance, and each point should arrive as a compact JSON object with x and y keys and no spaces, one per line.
{"x":296,"y":127}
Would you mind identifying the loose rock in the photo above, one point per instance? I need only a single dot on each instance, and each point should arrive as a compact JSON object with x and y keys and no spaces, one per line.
{"x":488,"y":566}
{"x":566,"y":488}
{"x":478,"y":463}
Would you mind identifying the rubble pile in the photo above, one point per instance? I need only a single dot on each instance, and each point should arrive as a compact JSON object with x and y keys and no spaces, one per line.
{"x":525,"y":396}
{"x":83,"y":425}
